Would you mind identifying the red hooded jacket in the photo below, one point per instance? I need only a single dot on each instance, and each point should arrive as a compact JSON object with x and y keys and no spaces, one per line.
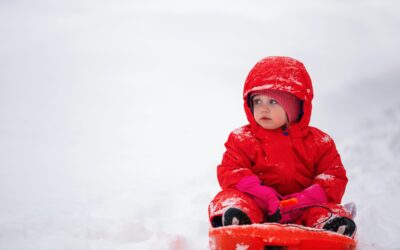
{"x":290,"y":160}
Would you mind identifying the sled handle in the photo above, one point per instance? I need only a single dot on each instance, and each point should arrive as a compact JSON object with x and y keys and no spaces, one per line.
{"x":288,"y":202}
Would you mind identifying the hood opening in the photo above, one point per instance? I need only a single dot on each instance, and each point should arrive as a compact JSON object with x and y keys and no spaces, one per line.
{"x":284,"y":74}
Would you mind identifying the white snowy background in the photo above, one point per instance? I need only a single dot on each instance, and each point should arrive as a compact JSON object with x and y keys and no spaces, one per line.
{"x":113,"y":114}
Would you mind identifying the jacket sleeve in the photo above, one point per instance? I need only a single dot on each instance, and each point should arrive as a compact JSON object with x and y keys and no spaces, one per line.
{"x":330,"y":172}
{"x":235,"y":163}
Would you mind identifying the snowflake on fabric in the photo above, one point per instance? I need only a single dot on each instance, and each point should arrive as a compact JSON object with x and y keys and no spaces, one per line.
{"x":322,"y":220}
{"x":326,"y":139}
{"x":239,"y":170}
{"x":270,"y":83}
{"x":213,"y":208}
{"x":243,"y":134}
{"x":325,"y":177}
{"x":230,"y":202}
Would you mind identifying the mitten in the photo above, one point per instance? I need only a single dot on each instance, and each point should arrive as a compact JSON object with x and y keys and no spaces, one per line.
{"x":312,"y":196}
{"x":265,"y":197}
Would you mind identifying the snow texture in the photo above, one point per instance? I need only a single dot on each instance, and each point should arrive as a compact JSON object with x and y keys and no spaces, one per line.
{"x":243,"y":134}
{"x":113,"y":114}
{"x":326,"y":177}
{"x":241,"y":247}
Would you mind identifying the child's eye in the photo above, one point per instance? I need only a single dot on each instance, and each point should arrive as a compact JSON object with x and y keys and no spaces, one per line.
{"x":272,"y":101}
{"x":257,"y":101}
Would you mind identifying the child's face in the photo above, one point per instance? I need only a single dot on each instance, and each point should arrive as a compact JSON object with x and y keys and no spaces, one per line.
{"x":268,"y":113}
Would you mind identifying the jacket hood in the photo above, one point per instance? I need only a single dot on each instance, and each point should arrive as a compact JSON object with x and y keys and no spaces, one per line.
{"x":284,"y":74}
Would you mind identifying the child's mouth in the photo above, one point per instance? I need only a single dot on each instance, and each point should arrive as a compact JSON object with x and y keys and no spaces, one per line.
{"x":265,"y":119}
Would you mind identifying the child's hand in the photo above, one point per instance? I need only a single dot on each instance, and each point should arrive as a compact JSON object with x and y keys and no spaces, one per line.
{"x":265,"y":197}
{"x":311,"y":196}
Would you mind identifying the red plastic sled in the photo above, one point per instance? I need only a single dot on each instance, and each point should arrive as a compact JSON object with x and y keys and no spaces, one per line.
{"x":270,"y":236}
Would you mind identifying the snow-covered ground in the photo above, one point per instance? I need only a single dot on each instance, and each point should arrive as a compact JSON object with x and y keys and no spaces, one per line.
{"x":113,"y":114}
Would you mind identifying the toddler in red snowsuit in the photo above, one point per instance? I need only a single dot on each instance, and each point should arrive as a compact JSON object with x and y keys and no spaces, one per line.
{"x":278,"y":156}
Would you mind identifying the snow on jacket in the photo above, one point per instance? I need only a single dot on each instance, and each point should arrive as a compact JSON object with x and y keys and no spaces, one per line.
{"x":289,"y":160}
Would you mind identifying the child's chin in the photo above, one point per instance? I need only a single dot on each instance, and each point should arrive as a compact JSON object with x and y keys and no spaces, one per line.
{"x":269,"y":126}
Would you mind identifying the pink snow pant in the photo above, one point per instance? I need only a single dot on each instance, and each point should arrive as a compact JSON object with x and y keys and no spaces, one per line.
{"x":311,"y":217}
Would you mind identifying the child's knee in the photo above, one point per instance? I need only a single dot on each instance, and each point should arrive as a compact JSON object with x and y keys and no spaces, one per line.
{"x":318,"y":216}
{"x":232,"y":198}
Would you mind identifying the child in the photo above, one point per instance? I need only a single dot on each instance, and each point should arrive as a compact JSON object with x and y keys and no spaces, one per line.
{"x":278,"y":156}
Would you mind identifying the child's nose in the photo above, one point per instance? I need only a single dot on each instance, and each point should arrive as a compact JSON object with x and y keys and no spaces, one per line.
{"x":266,"y":107}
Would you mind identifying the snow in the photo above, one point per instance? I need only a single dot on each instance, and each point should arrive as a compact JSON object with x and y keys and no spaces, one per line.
{"x":241,"y":247}
{"x":113,"y":114}
{"x":268,"y":85}
{"x":325,"y":177}
{"x":242,"y":134}
{"x":326,"y":139}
